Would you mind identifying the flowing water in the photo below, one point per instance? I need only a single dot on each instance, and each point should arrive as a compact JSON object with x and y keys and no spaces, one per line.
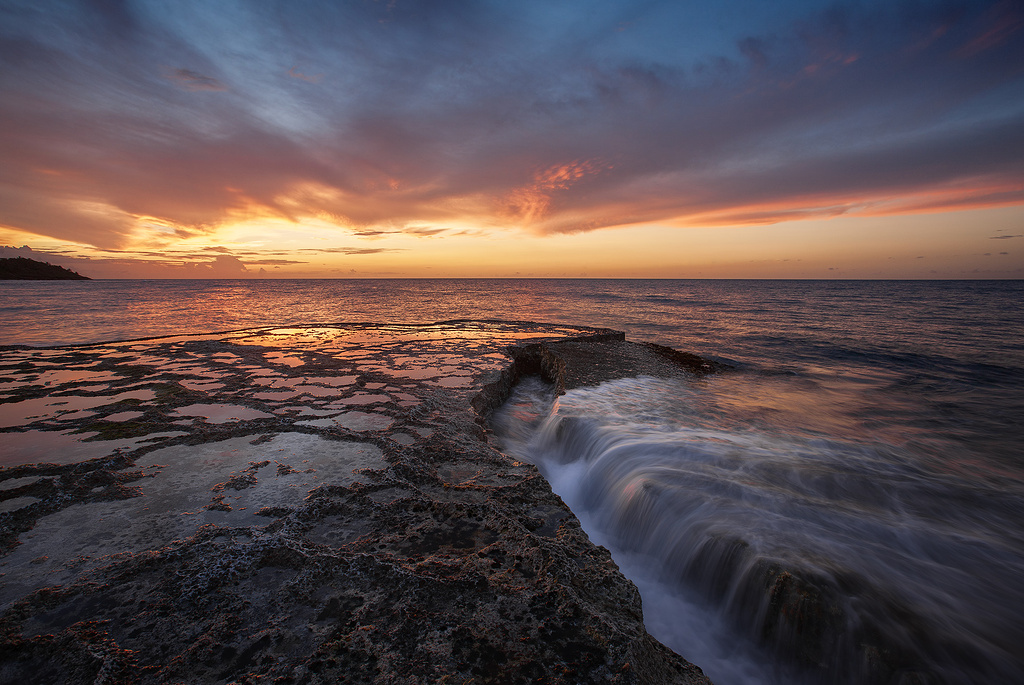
{"x":846,"y":505}
{"x":846,"y":556}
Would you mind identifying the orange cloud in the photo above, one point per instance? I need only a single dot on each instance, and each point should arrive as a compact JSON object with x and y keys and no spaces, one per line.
{"x":948,"y":199}
{"x":531,"y":203}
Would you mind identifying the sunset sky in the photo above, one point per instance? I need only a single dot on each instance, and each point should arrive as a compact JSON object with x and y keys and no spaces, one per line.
{"x":601,"y":138}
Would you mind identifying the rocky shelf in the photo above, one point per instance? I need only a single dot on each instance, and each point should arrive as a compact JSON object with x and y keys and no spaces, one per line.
{"x":312,"y":504}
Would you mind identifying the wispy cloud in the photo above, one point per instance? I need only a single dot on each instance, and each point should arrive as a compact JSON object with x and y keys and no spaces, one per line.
{"x":348,"y":250}
{"x":533,"y":202}
{"x":295,"y":73}
{"x":1000,"y":24}
{"x":424,"y":231}
{"x":194,"y":81}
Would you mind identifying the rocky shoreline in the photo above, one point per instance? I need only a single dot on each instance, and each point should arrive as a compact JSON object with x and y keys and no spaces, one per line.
{"x":305,"y":505}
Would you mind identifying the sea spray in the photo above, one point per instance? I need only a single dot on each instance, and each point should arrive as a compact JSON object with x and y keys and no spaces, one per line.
{"x":823,"y":558}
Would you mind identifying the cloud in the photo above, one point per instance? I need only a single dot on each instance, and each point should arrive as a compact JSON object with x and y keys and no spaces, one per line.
{"x":222,"y":265}
{"x":194,"y":81}
{"x":348,"y":250}
{"x":473,"y":114}
{"x":373,"y":233}
{"x":532,"y":203}
{"x":1006,"y":237}
{"x":1002,"y":22}
{"x":426,"y":231}
{"x":294,"y":73}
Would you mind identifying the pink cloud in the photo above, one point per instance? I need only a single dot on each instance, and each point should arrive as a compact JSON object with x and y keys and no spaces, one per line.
{"x":194,"y":81}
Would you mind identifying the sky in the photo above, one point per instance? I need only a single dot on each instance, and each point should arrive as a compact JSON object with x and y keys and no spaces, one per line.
{"x":548,"y":138}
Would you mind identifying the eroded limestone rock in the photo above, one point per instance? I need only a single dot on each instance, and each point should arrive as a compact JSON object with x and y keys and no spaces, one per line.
{"x":291,"y":542}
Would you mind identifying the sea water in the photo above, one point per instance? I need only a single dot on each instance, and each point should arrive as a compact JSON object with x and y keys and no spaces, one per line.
{"x":845,"y":505}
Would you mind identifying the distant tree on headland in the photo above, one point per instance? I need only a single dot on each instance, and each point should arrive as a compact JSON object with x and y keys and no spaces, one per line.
{"x":24,"y":269}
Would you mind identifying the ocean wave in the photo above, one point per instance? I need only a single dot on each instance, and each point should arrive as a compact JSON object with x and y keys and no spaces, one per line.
{"x":848,"y":561}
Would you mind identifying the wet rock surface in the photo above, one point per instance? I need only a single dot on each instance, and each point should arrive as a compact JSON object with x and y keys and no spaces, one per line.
{"x":301,"y":505}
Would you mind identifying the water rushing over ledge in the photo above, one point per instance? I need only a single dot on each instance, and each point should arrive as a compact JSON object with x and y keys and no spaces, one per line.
{"x":771,"y":554}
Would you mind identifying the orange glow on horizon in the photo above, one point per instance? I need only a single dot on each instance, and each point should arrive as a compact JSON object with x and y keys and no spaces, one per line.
{"x":917,"y":245}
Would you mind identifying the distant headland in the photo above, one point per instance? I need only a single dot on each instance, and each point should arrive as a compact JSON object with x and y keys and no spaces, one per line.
{"x":24,"y":269}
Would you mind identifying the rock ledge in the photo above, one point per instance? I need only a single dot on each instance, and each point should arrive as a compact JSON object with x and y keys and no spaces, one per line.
{"x":348,"y":522}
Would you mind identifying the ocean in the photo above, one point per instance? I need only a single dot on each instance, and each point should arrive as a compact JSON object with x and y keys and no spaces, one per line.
{"x":847,"y":501}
